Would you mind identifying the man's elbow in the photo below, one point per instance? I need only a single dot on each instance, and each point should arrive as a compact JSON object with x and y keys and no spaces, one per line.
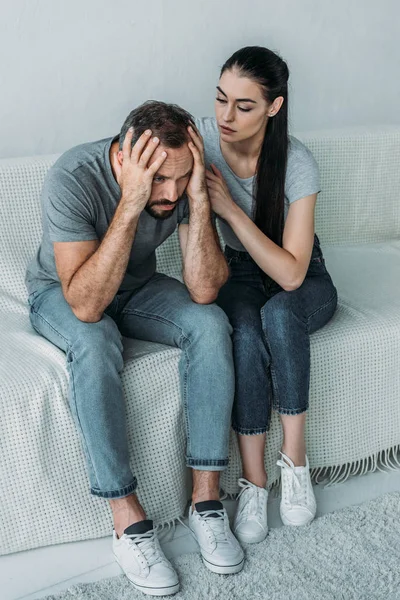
{"x":86,"y":316}
{"x":203,"y":298}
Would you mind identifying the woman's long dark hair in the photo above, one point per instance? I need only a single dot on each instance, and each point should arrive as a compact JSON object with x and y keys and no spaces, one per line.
{"x":271,"y":72}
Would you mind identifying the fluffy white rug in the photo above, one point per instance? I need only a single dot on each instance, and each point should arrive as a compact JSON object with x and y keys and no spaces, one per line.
{"x":352,"y":554}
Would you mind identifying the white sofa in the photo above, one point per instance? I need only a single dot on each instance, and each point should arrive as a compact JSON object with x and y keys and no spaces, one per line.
{"x":354,"y":417}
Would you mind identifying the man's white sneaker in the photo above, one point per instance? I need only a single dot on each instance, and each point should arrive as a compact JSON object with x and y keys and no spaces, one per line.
{"x":298,"y":504}
{"x":139,"y":555}
{"x":250,"y":523}
{"x":220,"y":550}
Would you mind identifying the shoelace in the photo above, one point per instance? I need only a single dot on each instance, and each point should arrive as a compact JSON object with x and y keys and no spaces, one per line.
{"x":252,"y":502}
{"x":146,"y":543}
{"x":216,"y":524}
{"x":297,"y":488}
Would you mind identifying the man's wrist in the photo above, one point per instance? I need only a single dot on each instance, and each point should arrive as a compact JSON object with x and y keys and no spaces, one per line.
{"x":129,"y":208}
{"x":199,"y":201}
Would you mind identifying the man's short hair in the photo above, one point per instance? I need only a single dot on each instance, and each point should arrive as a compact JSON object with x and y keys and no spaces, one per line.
{"x":169,"y":122}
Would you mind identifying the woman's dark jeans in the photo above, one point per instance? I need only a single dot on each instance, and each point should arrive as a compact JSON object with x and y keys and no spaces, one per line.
{"x":271,"y":337}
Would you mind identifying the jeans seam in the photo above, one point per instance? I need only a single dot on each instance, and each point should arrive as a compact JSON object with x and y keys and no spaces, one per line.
{"x":128,"y":489}
{"x":212,"y":462}
{"x":69,"y":367}
{"x":80,"y":425}
{"x":184,"y":390}
{"x":243,"y":431}
{"x":55,"y":331}
{"x":290,"y":411}
{"x":322,"y":307}
{"x":184,"y":337}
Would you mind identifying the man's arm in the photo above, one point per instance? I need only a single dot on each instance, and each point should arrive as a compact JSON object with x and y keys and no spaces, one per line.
{"x":204,"y":266}
{"x":91,"y":272}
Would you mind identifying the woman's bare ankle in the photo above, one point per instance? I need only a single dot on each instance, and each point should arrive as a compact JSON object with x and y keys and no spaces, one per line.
{"x":257,"y":479}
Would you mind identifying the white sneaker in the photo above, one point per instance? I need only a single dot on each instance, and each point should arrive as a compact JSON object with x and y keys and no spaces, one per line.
{"x":220,"y":550}
{"x":250,"y":524}
{"x":298,"y":504}
{"x":138,"y":553}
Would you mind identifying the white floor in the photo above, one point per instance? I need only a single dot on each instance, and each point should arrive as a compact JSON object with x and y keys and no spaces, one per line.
{"x":37,"y":573}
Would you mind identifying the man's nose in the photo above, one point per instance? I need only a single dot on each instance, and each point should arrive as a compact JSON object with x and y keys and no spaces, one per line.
{"x":171,"y":192}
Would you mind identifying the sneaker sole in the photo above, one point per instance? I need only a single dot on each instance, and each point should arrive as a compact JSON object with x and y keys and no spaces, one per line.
{"x":225,"y":569}
{"x":250,"y":539}
{"x":286,"y":521}
{"x":151,"y":591}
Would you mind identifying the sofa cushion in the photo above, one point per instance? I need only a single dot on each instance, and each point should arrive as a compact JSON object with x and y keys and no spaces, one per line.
{"x":43,"y":478}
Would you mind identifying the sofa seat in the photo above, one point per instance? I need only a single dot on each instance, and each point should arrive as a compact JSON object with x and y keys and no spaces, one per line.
{"x":44,"y":489}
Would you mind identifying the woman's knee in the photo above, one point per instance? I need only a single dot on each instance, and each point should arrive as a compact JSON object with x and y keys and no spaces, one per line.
{"x":282,"y":312}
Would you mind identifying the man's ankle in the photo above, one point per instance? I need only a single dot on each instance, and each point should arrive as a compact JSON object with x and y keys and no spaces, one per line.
{"x":203,"y":497}
{"x":126,"y":511}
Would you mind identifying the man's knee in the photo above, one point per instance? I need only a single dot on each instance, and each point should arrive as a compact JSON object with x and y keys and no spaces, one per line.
{"x":207,"y":321}
{"x":100,"y":341}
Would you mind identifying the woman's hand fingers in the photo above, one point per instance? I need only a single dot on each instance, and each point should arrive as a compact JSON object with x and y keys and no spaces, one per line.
{"x":211,"y":176}
{"x":216,"y":171}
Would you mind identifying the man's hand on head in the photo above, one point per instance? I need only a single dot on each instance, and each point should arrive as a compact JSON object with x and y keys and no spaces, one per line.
{"x":134,"y":175}
{"x":197,"y":188}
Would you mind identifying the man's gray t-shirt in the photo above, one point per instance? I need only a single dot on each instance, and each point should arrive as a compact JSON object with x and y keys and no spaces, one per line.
{"x":79,"y":198}
{"x":302,"y":176}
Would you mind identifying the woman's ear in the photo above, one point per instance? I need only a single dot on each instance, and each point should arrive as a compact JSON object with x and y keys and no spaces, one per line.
{"x":275,"y":106}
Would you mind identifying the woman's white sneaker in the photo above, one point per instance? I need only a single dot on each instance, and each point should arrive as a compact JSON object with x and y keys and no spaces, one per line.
{"x":298,"y":504}
{"x":220,"y":550}
{"x":138,"y":553}
{"x":250,"y":523}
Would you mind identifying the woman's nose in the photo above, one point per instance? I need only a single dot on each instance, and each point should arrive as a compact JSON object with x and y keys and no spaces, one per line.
{"x":228,"y":113}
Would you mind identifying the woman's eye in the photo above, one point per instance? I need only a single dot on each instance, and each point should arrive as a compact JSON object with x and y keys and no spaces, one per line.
{"x":244,"y":109}
{"x":221,"y":100}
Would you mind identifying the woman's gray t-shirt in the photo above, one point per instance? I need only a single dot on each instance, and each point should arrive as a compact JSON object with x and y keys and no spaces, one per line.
{"x":302,"y":176}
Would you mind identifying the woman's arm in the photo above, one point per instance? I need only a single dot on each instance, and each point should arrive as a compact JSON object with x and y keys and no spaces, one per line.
{"x":287,"y":265}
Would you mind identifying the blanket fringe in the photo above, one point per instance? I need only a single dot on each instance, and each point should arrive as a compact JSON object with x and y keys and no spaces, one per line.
{"x":382,"y":461}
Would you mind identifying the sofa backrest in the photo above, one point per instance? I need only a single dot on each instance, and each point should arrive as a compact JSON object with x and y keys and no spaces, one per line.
{"x":359,"y":202}
{"x":360,"y":181}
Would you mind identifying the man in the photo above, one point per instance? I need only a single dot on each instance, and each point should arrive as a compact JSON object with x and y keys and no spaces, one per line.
{"x":107,"y":205}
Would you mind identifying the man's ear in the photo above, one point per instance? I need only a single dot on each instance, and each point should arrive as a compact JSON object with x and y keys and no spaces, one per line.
{"x":120,"y":156}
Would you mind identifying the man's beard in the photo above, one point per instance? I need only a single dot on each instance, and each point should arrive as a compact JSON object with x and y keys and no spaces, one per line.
{"x":156,"y":215}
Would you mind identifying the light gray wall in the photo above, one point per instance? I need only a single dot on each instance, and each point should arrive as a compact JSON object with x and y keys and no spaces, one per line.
{"x":71,"y":70}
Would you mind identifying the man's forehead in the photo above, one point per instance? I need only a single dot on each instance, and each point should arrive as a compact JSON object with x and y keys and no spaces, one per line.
{"x":176,"y":157}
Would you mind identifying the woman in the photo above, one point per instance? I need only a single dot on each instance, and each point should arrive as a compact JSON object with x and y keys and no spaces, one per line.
{"x":263,"y":186}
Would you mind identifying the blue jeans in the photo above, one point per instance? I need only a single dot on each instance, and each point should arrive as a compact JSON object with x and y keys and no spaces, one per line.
{"x":271,"y":337}
{"x":160,"y":311}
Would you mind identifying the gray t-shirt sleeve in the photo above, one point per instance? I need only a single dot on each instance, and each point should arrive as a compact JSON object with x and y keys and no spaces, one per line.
{"x":302,"y":173}
{"x":67,"y":208}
